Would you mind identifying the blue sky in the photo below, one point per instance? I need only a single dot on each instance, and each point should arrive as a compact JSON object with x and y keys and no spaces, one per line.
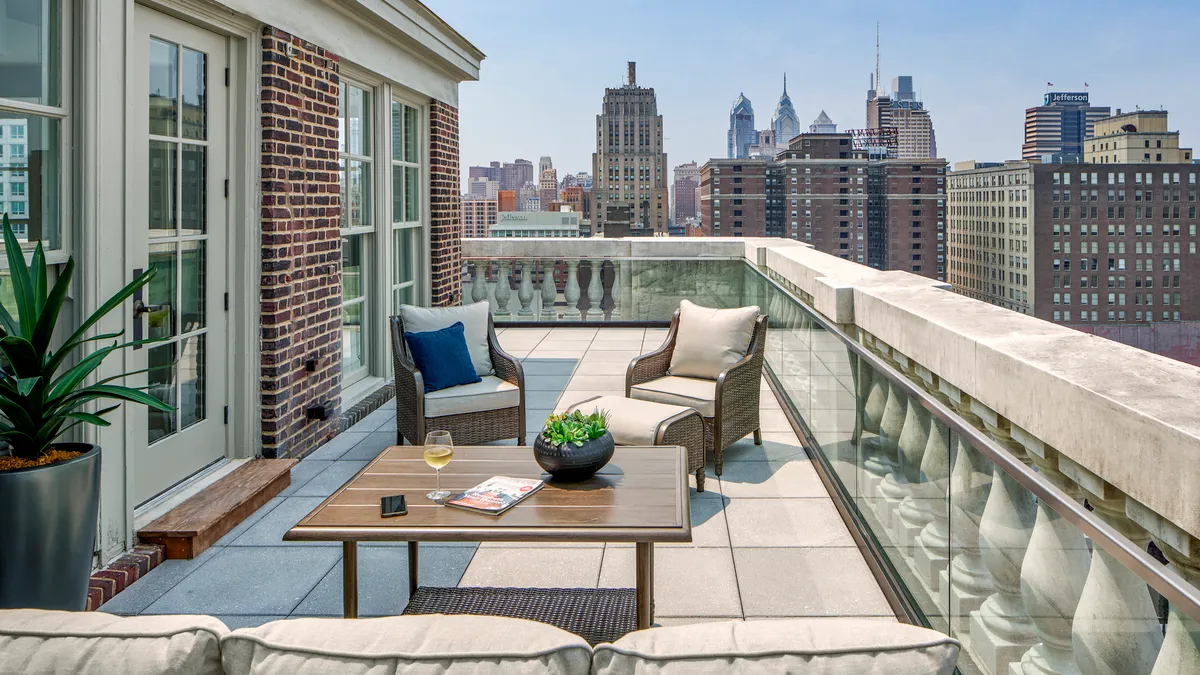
{"x":977,"y":66}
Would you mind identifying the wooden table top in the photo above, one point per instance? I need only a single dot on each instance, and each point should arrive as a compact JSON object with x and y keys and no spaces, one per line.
{"x":640,"y":495}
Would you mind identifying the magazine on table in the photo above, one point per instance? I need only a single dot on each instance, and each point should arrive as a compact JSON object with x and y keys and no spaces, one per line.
{"x":495,"y":495}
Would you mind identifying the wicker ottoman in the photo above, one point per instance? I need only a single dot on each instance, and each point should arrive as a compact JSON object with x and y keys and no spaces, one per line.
{"x":633,"y":422}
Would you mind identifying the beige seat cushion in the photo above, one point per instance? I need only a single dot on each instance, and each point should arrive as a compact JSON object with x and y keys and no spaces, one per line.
{"x":474,"y":318}
{"x":39,"y":642}
{"x":691,"y":392}
{"x":828,"y":646}
{"x":431,"y":644}
{"x":709,"y":340}
{"x":490,"y":393}
{"x":632,"y":421}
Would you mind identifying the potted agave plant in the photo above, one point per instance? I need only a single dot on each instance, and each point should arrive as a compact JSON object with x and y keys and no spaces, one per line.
{"x":50,"y":488}
{"x":573,"y":446}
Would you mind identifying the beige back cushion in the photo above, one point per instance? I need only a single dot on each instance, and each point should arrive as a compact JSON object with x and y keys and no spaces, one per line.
{"x":432,"y":644}
{"x":829,"y":646}
{"x":39,"y":642}
{"x":710,"y":340}
{"x":474,"y":318}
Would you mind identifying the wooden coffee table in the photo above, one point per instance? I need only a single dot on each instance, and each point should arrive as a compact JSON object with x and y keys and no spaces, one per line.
{"x":641,"y":496}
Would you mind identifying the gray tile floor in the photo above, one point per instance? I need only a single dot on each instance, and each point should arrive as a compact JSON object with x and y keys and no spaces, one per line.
{"x":767,"y":541}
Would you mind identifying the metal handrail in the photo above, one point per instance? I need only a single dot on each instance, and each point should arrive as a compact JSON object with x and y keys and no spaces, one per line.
{"x":1181,"y":594}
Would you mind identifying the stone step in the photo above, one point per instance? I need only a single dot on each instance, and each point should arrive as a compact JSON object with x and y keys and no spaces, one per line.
{"x":193,"y":526}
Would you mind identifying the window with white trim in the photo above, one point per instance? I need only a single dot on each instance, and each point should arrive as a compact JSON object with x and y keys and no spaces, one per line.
{"x":406,"y":203}
{"x":355,"y":127}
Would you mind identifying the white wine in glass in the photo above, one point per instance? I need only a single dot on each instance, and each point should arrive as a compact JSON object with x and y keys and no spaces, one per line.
{"x":439,"y":450}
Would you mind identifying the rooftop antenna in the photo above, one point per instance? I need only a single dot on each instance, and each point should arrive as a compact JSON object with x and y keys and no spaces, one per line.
{"x":785,"y":84}
{"x":878,"y":81}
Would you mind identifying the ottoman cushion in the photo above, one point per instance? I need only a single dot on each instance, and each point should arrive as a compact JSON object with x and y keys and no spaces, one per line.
{"x":632,"y":422}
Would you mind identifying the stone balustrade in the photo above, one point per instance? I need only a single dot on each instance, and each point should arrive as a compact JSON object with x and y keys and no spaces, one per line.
{"x":1010,"y":576}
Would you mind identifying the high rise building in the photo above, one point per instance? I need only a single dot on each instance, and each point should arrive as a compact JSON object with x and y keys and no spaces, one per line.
{"x":629,"y":167}
{"x":515,"y":174}
{"x":506,"y":200}
{"x":491,"y":172}
{"x":915,"y":137}
{"x":885,"y":213}
{"x":1087,"y":245}
{"x":478,"y":215}
{"x":548,"y":186}
{"x":544,"y":163}
{"x":483,"y":187}
{"x":764,"y":144}
{"x":785,"y":125}
{"x":526,"y":193}
{"x":683,"y":188}
{"x":1140,"y":137}
{"x":584,"y":180}
{"x":1059,"y":126}
{"x":741,"y":128}
{"x":573,"y":197}
{"x":822,"y":125}
{"x":568,"y":181}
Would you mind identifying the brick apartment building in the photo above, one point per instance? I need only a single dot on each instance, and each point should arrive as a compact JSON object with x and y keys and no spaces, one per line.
{"x":885,"y":213}
{"x":295,"y":168}
{"x":1085,"y":245}
{"x":478,"y":216}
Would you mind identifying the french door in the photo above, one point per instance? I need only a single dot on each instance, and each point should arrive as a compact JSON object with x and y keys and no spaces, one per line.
{"x":178,"y":122}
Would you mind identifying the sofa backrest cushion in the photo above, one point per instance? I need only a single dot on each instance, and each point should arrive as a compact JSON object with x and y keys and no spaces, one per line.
{"x":432,"y":644}
{"x":825,"y":646}
{"x":40,"y":642}
{"x":474,"y":319}
{"x":710,"y":340}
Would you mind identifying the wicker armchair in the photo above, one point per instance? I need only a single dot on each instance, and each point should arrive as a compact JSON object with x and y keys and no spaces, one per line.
{"x":467,"y":428}
{"x":734,"y":402}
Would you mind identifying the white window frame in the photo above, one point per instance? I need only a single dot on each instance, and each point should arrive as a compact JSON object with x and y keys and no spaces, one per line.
{"x":369,"y":233}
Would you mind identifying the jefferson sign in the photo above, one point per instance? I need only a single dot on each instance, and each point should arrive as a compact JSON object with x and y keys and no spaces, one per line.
{"x":1067,"y":97}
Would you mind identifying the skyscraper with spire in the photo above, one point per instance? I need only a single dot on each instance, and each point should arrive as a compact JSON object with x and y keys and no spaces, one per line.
{"x":784,"y":122}
{"x":901,"y":110}
{"x":741,"y":128}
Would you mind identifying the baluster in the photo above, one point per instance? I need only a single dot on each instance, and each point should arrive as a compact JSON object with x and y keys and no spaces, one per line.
{"x":912,"y":513}
{"x":614,"y":313}
{"x":549,"y":291}
{"x":572,"y":291}
{"x":1052,"y":574}
{"x":1180,"y":651}
{"x":891,"y":487}
{"x":479,"y":289}
{"x":525,"y":289}
{"x":968,"y":582}
{"x":503,"y":287}
{"x":874,"y":461}
{"x":1001,"y":631}
{"x":1116,"y":631}
{"x":595,"y":291}
{"x":931,"y":548}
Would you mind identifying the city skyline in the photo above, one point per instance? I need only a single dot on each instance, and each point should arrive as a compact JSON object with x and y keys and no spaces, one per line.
{"x":828,"y":71}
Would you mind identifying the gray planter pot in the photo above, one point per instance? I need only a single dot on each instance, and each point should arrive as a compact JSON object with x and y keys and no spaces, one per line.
{"x":48,"y":521}
{"x":570,"y":462}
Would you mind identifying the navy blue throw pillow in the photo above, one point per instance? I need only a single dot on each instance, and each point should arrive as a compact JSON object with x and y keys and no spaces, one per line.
{"x":442,"y":357}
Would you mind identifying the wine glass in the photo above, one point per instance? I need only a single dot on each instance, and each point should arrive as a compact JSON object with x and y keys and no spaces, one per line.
{"x":439,"y":449}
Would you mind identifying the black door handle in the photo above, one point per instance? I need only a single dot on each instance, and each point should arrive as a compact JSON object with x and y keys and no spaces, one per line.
{"x":140,"y":308}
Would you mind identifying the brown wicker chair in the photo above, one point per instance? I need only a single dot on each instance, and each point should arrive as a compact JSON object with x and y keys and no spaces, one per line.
{"x":737,"y":389}
{"x":466,"y":428}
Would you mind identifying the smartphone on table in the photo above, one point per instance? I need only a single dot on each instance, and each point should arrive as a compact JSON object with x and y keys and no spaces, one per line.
{"x":393,"y":506}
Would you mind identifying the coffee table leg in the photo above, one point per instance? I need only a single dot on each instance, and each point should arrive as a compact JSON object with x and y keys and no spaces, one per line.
{"x":350,"y":579}
{"x":412,"y":569}
{"x":645,"y":584}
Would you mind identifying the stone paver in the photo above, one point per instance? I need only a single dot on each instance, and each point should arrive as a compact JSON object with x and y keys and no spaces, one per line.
{"x":766,"y":539}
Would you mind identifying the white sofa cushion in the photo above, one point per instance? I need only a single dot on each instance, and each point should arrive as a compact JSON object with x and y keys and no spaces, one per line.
{"x":432,"y":644}
{"x":490,"y":393}
{"x":40,"y":642}
{"x":631,"y":421}
{"x":691,"y":392}
{"x":825,"y":646}
{"x":474,"y":319}
{"x":709,"y":340}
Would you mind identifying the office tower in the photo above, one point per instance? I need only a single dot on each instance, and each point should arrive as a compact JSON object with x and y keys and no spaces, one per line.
{"x":1139,"y":137}
{"x":548,"y":185}
{"x":478,"y":215}
{"x":544,"y":163}
{"x":885,"y":213}
{"x":915,"y":138}
{"x":785,"y":125}
{"x":491,"y":172}
{"x":516,"y":174}
{"x":1059,"y":126}
{"x":506,"y":200}
{"x":526,"y":193}
{"x":584,"y":180}
{"x":683,"y":188}
{"x":568,"y":181}
{"x":741,"y":128}
{"x":822,"y":125}
{"x":629,"y":166}
{"x":483,"y":187}
{"x":1093,"y":246}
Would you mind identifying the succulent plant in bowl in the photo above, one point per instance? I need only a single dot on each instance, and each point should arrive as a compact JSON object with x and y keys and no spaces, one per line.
{"x":574,"y":445}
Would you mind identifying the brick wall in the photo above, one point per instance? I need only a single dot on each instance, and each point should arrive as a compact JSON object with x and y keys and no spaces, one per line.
{"x":445,"y":208}
{"x":301,"y":247}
